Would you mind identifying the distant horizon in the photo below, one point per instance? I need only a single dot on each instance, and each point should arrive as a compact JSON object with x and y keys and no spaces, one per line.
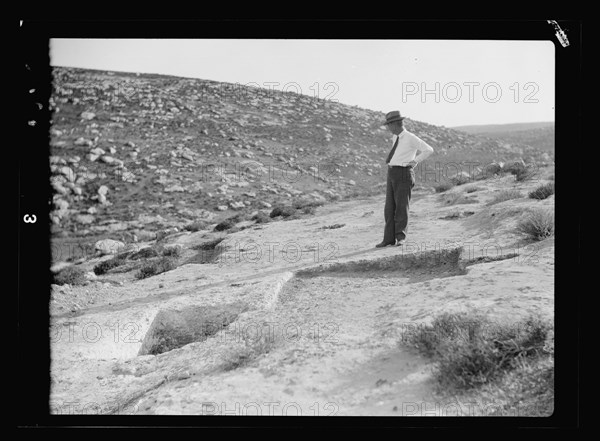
{"x":505,"y":124}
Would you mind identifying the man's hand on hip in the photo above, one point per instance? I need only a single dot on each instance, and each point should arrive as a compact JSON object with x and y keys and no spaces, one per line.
{"x":412,"y":164}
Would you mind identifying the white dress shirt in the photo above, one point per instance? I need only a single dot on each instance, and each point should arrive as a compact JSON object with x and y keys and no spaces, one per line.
{"x":407,"y":148}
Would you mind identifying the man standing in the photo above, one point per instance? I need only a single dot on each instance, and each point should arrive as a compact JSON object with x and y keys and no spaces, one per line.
{"x":400,"y":178}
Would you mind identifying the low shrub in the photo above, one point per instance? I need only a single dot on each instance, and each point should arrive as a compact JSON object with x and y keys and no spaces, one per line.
{"x":300,"y":204}
{"x":283,"y":211}
{"x":460,"y":179}
{"x":227,"y":223}
{"x":146,"y":253}
{"x":444,"y":186}
{"x":196,"y":226}
{"x":156,"y":267}
{"x":106,"y":265}
{"x":261,"y":218}
{"x":471,"y":351}
{"x":538,"y":225}
{"x":173,"y":251}
{"x":70,"y":275}
{"x":543,"y":191}
{"x":505,"y":195}
{"x":472,"y":189}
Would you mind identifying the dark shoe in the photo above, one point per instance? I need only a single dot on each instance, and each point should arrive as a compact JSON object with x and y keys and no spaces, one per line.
{"x":383,"y":244}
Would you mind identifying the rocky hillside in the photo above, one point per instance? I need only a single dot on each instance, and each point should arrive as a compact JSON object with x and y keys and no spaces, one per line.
{"x":131,"y":154}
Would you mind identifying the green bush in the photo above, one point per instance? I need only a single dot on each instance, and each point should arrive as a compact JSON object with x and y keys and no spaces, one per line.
{"x":543,"y":191}
{"x":538,"y":225}
{"x":70,"y":275}
{"x":157,"y":267}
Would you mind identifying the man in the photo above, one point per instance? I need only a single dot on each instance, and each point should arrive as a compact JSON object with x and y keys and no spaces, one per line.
{"x":401,"y":162}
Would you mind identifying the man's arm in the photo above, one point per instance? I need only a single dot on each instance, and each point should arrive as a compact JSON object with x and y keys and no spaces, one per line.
{"x":425,"y":151}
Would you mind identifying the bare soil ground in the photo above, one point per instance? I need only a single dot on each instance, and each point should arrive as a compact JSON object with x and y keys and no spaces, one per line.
{"x":324,"y":342}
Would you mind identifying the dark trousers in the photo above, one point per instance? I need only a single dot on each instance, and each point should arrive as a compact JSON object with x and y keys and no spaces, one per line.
{"x":400,"y":181}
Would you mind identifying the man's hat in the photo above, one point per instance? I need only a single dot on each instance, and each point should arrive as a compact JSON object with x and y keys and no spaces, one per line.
{"x":392,"y":116}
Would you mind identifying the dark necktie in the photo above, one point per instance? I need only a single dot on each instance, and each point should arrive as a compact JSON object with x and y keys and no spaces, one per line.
{"x":391,"y":155}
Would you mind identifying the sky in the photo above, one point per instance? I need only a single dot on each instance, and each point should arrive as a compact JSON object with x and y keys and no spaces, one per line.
{"x":442,"y":82}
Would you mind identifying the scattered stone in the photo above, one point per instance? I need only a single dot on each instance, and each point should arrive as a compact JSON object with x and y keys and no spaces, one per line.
{"x":61,"y":206}
{"x":187,"y":156}
{"x":98,"y":151}
{"x":144,"y":236}
{"x":109,"y":246}
{"x":237,"y":205}
{"x":68,"y":173}
{"x":88,"y":115}
{"x":84,"y":142}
